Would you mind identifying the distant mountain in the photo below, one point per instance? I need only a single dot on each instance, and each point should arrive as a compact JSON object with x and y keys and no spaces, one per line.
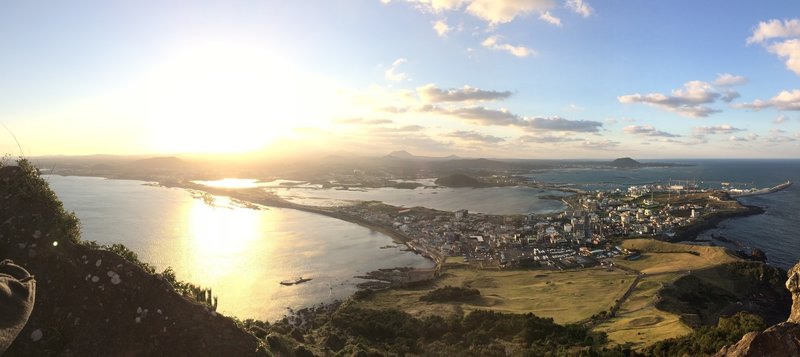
{"x":401,"y":154}
{"x":626,"y":162}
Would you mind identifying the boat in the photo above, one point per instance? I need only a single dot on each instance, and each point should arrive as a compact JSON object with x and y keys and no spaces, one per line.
{"x":298,"y":280}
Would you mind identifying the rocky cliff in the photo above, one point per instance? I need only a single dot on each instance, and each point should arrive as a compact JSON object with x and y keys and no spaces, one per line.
{"x":782,"y":339}
{"x":93,"y":302}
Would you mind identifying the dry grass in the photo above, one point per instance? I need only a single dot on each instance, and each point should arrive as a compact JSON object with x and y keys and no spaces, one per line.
{"x":568,"y":296}
{"x":639,"y":322}
{"x":661,"y":257}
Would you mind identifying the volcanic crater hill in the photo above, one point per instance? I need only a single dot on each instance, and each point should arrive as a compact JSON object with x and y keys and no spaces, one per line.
{"x":93,"y":302}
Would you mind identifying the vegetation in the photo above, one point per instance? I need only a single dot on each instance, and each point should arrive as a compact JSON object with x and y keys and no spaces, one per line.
{"x":704,"y":295}
{"x":483,"y":333}
{"x":661,"y":257}
{"x":451,"y":293}
{"x":638,"y":322}
{"x":709,"y":339}
{"x":565,"y":296}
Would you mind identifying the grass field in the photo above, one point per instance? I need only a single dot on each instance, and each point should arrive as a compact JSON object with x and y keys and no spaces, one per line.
{"x":567,"y":296}
{"x":638,"y":321}
{"x":661,"y":257}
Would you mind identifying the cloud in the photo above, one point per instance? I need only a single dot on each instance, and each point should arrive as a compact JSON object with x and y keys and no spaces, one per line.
{"x":392,"y":74}
{"x":362,"y":121}
{"x":493,"y":43}
{"x":441,"y":27}
{"x":788,"y":49}
{"x":502,"y":11}
{"x":549,"y":18}
{"x":729,"y":95}
{"x":712,"y":130}
{"x":729,"y":80}
{"x":689,"y":101}
{"x":747,"y":138}
{"x":781,"y":119}
{"x":502,"y":117}
{"x":647,"y":130}
{"x":478,"y":115}
{"x":600,"y":144}
{"x":580,"y":7}
{"x":401,"y":129}
{"x":774,"y":29}
{"x":547,"y":139}
{"x":785,"y":100}
{"x":475,"y":136}
{"x":430,"y":93}
{"x":561,"y":124}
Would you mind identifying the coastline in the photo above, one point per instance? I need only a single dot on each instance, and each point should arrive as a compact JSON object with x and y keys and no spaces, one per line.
{"x":691,"y":233}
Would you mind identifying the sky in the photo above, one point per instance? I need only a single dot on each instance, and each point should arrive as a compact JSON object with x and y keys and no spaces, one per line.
{"x":543,"y":79}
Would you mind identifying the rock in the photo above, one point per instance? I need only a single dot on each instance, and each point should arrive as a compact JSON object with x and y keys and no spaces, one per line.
{"x":782,"y":339}
{"x":334,"y":342}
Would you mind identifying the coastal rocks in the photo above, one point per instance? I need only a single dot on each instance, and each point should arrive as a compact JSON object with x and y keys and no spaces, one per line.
{"x":782,"y":339}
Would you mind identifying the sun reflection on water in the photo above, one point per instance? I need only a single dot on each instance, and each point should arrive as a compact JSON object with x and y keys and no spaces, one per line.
{"x":220,"y":241}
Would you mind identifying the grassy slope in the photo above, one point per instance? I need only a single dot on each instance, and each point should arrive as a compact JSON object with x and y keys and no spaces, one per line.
{"x":639,"y":322}
{"x":661,"y":257}
{"x":568,"y":296}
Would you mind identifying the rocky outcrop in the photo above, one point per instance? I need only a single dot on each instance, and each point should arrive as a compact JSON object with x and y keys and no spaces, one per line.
{"x":782,"y":339}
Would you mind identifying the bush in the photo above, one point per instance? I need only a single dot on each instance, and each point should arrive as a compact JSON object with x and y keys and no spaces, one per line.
{"x":450,"y":293}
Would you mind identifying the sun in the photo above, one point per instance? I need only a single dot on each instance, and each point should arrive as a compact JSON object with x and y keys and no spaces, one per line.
{"x":221,"y":98}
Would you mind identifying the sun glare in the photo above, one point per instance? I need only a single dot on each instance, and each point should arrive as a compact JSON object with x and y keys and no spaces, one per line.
{"x":222,"y":98}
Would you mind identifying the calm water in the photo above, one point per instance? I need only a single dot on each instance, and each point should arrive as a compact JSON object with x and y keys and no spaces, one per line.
{"x":242,"y":254}
{"x":496,"y":200}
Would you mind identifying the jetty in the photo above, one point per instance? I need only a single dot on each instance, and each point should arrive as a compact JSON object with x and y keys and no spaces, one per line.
{"x":754,"y":192}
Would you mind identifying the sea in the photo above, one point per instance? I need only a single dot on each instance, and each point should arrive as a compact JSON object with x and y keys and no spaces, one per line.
{"x":243,"y":253}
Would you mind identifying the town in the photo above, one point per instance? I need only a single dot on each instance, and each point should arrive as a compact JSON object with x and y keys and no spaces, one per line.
{"x":584,"y":235}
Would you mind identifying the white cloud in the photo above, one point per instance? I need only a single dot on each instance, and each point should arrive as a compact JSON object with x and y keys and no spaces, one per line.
{"x":785,"y":100}
{"x":781,"y":119}
{"x":775,"y":29}
{"x":729,"y":80}
{"x":430,"y":93}
{"x":690,"y":101}
{"x":441,"y":27}
{"x":580,"y":7}
{"x":392,"y":74}
{"x":502,"y":11}
{"x":549,"y":18}
{"x":493,"y":43}
{"x":790,"y":51}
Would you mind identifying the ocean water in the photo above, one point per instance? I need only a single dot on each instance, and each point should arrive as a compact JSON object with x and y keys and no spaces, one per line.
{"x":241,"y":253}
{"x":495,"y":200}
